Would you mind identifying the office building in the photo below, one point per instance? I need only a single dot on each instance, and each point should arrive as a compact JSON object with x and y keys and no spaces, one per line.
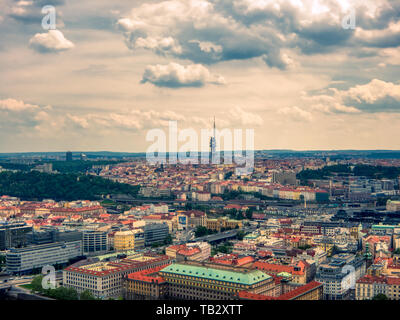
{"x":68,"y":156}
{"x":13,"y":235}
{"x":94,"y":242}
{"x":155,"y":233}
{"x":129,"y":240}
{"x":32,"y":258}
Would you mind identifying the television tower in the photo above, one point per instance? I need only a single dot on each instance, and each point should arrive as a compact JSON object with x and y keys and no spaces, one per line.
{"x":213,"y":146}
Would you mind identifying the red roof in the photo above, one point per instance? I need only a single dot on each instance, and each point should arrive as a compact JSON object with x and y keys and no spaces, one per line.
{"x":148,"y":275}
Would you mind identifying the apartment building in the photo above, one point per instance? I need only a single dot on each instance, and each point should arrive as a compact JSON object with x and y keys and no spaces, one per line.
{"x":104,"y":279}
{"x":369,"y":286}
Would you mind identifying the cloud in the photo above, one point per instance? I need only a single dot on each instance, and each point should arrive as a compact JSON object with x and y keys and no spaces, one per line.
{"x":52,"y":41}
{"x":296,"y":113}
{"x":29,"y":11}
{"x":211,"y":31}
{"x":174,"y":75}
{"x":16,"y":115}
{"x":159,"y":45}
{"x":238,"y":115}
{"x":204,"y":33}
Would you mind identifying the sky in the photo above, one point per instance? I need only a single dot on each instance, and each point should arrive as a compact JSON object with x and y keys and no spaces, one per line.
{"x":303,"y":74}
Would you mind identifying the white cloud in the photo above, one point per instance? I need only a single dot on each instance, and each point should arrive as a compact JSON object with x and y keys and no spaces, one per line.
{"x":374,"y":96}
{"x":207,"y":46}
{"x":174,"y":75}
{"x":238,"y":115}
{"x":159,"y":45}
{"x":296,"y":113}
{"x":52,"y":41}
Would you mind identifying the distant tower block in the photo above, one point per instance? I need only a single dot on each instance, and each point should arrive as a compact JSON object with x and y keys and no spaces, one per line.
{"x":68,"y":156}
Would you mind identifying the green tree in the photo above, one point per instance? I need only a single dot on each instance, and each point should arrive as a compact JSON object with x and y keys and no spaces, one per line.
{"x":200,"y":231}
{"x":36,"y":283}
{"x":240,"y":235}
{"x":86,"y":295}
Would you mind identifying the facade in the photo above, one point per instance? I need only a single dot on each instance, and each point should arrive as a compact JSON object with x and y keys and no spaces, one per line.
{"x":104,"y":279}
{"x":223,"y":222}
{"x":369,"y":286}
{"x":25,"y":260}
{"x":196,"y":251}
{"x":129,"y":240}
{"x":298,"y":272}
{"x":309,"y":291}
{"x":94,"y":242}
{"x":51,"y":235}
{"x":13,"y":235}
{"x":339,"y":275}
{"x":145,"y":285}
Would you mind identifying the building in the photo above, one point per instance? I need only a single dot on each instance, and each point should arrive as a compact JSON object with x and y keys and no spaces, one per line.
{"x":196,"y":251}
{"x":339,"y":275}
{"x":104,"y":278}
{"x":369,"y":286}
{"x":129,"y":240}
{"x":207,"y":281}
{"x":392,"y":205}
{"x":223,"y":223}
{"x":284,"y":178}
{"x":68,"y":156}
{"x":28,"y":259}
{"x":13,"y":235}
{"x":195,"y":218}
{"x":94,"y":242}
{"x":155,"y":233}
{"x":50,"y":235}
{"x":309,"y":291}
{"x":298,"y":272}
{"x":145,"y":285}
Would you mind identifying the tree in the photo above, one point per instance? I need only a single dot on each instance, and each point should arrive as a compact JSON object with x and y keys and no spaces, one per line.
{"x":380,"y":296}
{"x":36,"y":283}
{"x":240,"y":235}
{"x":87,"y":295}
{"x":200,"y":231}
{"x":168,"y":240}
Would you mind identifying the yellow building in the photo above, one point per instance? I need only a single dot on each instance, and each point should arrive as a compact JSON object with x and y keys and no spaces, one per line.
{"x":128,"y":240}
{"x":223,"y":222}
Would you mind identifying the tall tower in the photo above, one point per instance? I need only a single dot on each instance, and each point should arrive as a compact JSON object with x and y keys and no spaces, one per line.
{"x":213,"y":146}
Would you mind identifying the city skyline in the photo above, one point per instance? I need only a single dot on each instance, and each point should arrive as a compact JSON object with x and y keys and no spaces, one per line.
{"x":289,"y":71}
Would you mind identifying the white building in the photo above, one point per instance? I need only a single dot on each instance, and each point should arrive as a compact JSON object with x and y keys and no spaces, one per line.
{"x":24,"y":260}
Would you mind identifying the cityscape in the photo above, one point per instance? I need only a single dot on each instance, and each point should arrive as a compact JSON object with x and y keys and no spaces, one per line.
{"x":199,"y":157}
{"x":301,"y":226}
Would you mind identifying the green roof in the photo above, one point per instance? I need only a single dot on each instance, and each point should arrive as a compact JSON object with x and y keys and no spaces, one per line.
{"x":383,"y":226}
{"x":248,"y":278}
